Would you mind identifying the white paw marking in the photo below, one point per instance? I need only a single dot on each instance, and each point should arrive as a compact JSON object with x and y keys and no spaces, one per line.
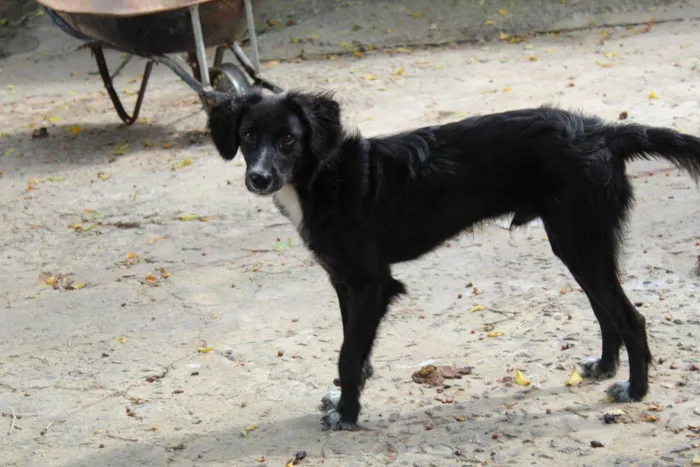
{"x":331,"y":419}
{"x":287,"y":201}
{"x":331,"y":400}
{"x":619,"y":392}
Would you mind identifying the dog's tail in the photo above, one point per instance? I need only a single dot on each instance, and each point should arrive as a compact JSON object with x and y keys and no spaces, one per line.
{"x":634,"y":142}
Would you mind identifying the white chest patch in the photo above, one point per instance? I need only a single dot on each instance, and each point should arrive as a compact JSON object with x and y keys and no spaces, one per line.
{"x":287,"y":201}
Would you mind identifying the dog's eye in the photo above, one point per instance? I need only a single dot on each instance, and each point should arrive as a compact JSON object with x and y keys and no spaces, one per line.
{"x":248,"y":136}
{"x":288,"y":138}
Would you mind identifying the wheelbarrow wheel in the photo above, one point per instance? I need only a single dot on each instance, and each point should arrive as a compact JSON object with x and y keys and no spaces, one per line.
{"x":230,"y":79}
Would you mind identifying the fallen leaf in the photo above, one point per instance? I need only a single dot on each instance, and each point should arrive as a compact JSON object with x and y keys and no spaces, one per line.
{"x":181,"y":164}
{"x":189,"y":217}
{"x":502,"y":12}
{"x":260,"y":459}
{"x":532,"y":58}
{"x":417,"y":14}
{"x":281,"y":246}
{"x":460,"y":418}
{"x":370,"y":77}
{"x":651,"y":419}
{"x":121,"y":150}
{"x":489,"y":22}
{"x":55,"y":178}
{"x":9,"y":151}
{"x":495,"y":334}
{"x":507,"y":89}
{"x":205,"y":349}
{"x":79,"y":286}
{"x":154,"y":428}
{"x":248,"y":429}
{"x":521,"y":379}
{"x":400,"y":71}
{"x":75,"y":130}
{"x":477,"y":308}
{"x":122,"y":339}
{"x":55,"y":119}
{"x":51,"y":281}
{"x":151,"y":279}
{"x":653,"y":95}
{"x":436,"y":375}
{"x":574,"y":378}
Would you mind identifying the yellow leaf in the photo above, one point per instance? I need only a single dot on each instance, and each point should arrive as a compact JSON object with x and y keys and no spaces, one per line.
{"x":165,"y":275}
{"x":521,"y":379}
{"x":400,"y":71}
{"x":460,"y":418}
{"x":55,"y":119}
{"x":502,"y":36}
{"x":346,"y":45}
{"x":122,"y":339}
{"x":189,"y":217}
{"x":79,"y":286}
{"x":51,"y":281}
{"x":313,"y":37}
{"x":653,"y":95}
{"x":532,"y":58}
{"x":130,"y":256}
{"x":3,"y":21}
{"x":357,"y":53}
{"x":154,"y":428}
{"x":181,"y":164}
{"x":370,"y":77}
{"x":121,"y":150}
{"x":489,"y":22}
{"x":75,"y":130}
{"x":495,"y":334}
{"x":206,"y":350}
{"x":417,"y":14}
{"x":248,"y":429}
{"x":103,"y":176}
{"x":477,"y":308}
{"x":574,"y":378}
{"x":260,"y":459}
{"x":9,"y":151}
{"x":502,"y":12}
{"x":507,"y":89}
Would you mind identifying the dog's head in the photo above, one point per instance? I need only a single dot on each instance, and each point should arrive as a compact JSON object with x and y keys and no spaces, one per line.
{"x":279,"y":135}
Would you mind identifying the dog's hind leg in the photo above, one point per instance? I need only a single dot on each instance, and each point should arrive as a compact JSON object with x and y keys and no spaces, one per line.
{"x":607,"y":365}
{"x":588,"y":247}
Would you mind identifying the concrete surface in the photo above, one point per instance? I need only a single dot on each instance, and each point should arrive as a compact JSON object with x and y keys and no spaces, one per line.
{"x":205,"y":341}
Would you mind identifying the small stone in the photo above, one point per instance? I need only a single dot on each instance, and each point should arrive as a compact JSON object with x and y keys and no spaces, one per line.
{"x":596,"y":444}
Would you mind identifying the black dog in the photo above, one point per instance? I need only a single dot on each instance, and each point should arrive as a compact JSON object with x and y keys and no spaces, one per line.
{"x":361,"y":205}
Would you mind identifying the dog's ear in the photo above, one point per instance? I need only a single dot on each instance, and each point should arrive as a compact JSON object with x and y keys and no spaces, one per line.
{"x":224,"y":120}
{"x":322,"y":116}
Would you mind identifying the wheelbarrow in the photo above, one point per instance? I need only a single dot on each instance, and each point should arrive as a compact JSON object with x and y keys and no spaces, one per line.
{"x":152,"y":29}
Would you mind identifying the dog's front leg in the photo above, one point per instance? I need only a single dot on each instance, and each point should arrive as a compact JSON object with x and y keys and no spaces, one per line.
{"x":368,"y":303}
{"x":343,"y":292}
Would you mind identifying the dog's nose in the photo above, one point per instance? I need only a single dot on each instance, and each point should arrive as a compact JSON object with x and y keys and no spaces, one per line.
{"x":260,"y":180}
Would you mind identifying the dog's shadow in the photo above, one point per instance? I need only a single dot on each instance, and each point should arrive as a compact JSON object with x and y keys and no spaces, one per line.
{"x":440,"y":430}
{"x":92,"y":143}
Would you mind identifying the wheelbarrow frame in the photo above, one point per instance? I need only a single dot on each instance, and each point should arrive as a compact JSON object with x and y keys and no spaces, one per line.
{"x":200,"y":80}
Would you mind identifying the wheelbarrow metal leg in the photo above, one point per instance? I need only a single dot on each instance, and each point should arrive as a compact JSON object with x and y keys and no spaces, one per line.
{"x":121,"y":66}
{"x":107,"y":80}
{"x":199,"y":45}
{"x":253,"y":35}
{"x":219,"y":56}
{"x":248,"y":67}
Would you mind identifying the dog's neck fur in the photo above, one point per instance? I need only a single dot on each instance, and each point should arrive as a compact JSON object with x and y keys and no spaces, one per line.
{"x":289,"y":200}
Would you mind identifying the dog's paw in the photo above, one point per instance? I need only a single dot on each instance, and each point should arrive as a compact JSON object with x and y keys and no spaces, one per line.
{"x":619,"y":392}
{"x":330,"y":400}
{"x":591,"y":368}
{"x":333,"y":420}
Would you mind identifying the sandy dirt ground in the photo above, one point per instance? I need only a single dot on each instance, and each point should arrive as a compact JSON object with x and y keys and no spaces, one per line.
{"x":155,"y":313}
